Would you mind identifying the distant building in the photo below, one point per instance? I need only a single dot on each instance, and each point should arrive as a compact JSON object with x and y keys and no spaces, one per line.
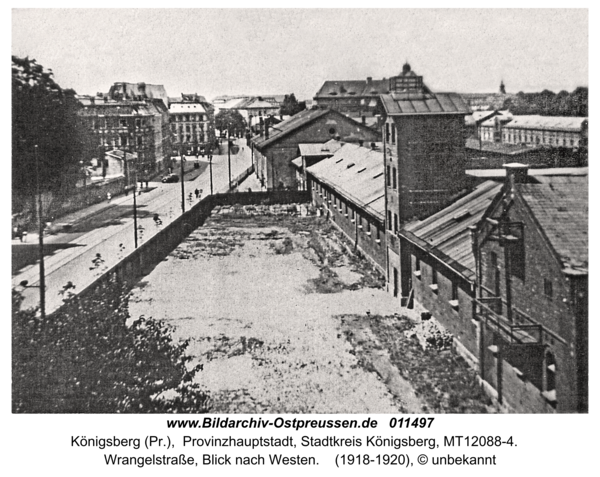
{"x":274,"y":149}
{"x":192,"y":124}
{"x":139,"y":126}
{"x":310,"y":154}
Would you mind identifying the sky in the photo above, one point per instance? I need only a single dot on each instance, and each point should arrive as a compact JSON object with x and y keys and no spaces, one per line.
{"x":277,"y":51}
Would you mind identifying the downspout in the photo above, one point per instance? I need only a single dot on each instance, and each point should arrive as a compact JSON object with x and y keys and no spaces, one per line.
{"x":385,"y":219}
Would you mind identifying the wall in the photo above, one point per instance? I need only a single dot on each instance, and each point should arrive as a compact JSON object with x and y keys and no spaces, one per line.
{"x":368,"y":238}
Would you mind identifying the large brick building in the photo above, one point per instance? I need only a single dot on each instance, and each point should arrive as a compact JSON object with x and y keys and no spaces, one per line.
{"x":531,"y":251}
{"x":274,"y":151}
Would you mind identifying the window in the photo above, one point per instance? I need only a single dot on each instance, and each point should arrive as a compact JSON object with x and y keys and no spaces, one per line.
{"x":548,"y":288}
{"x":368,"y":227}
{"x":417,"y":272}
{"x":454,"y":297}
{"x":434,"y":280}
{"x":389,"y":220}
{"x":549,"y":392}
{"x":123,"y":122}
{"x":395,"y":223}
{"x":140,"y":141}
{"x":124,"y":140}
{"x":389,"y":176}
{"x":393,"y":134}
{"x":394,"y":184}
{"x":387,"y":132}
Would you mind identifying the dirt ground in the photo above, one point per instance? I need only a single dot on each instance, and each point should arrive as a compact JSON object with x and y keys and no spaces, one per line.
{"x":285,"y":320}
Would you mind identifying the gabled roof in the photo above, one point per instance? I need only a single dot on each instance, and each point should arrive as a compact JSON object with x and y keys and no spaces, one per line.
{"x":446,"y":233}
{"x":560,"y":207}
{"x":555,"y":123}
{"x":400,"y":104}
{"x":356,"y":172}
{"x":551,"y":171}
{"x":289,"y":125}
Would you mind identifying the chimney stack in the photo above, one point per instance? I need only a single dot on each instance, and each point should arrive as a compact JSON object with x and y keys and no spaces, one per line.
{"x":369,"y":81}
{"x":516,"y":173}
{"x":361,"y":142}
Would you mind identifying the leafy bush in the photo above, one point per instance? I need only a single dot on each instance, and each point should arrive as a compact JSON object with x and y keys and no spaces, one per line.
{"x":87,"y":358}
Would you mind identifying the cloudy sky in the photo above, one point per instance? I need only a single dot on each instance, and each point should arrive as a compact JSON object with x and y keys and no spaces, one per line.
{"x":260,"y":51}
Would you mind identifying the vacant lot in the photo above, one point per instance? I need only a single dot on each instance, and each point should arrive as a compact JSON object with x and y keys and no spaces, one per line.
{"x":285,"y":320}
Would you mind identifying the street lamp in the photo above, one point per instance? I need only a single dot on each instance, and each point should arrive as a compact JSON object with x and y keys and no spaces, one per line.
{"x":210,"y":159}
{"x":229,"y":153}
{"x":41,"y":235}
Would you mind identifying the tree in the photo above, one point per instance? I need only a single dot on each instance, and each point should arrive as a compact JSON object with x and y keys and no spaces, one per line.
{"x":87,"y":358}
{"x":45,"y":115}
{"x":232,"y":119}
{"x":291,"y":105}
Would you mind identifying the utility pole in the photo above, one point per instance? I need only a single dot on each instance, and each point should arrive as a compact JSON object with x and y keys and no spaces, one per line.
{"x":41,"y":235}
{"x":229,"y":154}
{"x":210,"y":159}
{"x":135,"y":227}
{"x":182,"y":186}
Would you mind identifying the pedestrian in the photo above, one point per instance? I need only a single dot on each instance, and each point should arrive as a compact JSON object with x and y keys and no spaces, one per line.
{"x":157,"y":220}
{"x":197,"y":192}
{"x":108,"y":197}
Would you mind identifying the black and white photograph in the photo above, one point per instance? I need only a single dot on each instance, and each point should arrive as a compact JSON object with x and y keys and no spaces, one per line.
{"x":264,"y":212}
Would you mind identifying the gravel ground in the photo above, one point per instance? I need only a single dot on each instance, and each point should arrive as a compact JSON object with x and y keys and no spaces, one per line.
{"x":261,"y":299}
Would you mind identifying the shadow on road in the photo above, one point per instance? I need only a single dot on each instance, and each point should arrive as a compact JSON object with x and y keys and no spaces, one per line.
{"x":28,"y":253}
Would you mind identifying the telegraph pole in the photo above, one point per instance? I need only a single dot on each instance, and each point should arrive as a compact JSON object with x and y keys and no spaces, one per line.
{"x":41,"y":235}
{"x":210,"y":159}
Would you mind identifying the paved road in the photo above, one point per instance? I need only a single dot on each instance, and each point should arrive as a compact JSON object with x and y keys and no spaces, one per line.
{"x":108,"y":230}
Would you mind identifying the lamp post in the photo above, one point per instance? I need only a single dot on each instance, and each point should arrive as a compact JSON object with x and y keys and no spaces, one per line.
{"x":41,"y":234}
{"x":210,"y":159}
{"x":182,"y":186}
{"x":135,"y":228}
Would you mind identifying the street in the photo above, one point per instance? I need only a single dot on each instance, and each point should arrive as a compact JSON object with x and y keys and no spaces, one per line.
{"x":101,"y":235}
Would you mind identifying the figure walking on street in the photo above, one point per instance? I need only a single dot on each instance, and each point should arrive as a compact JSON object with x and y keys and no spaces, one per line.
{"x":108,"y":197}
{"x":197,"y":192}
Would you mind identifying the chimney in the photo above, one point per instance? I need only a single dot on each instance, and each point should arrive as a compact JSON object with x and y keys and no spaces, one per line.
{"x":106,"y":99}
{"x":369,"y":81}
{"x":262,"y":125}
{"x":516,"y":173}
{"x":267,"y":127}
{"x":361,"y":142}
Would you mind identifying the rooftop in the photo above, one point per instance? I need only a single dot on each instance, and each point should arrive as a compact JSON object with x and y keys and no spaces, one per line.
{"x":446,"y":234}
{"x":557,"y":123}
{"x":560,"y":206}
{"x":356,"y":172}
{"x":398,"y":104}
{"x":500,"y":147}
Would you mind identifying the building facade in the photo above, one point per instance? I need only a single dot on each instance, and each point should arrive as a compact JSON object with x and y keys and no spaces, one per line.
{"x":192,"y":125}
{"x":139,"y":126}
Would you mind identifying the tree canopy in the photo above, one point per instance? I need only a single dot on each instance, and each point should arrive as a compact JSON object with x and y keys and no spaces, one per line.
{"x":547,"y":103}
{"x":90,"y":357}
{"x":44,"y":114}
{"x":232,"y":119}
{"x":291,"y":106}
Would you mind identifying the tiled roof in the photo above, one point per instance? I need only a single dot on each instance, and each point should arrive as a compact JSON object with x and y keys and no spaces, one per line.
{"x":352,"y":88}
{"x":554,"y":123}
{"x":356,"y":172}
{"x":446,"y":234}
{"x":397,"y":104}
{"x":560,"y":206}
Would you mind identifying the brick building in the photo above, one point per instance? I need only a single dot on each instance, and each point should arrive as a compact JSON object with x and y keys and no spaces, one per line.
{"x":424,"y":137}
{"x":274,"y":150}
{"x":531,"y":251}
{"x":348,"y":188}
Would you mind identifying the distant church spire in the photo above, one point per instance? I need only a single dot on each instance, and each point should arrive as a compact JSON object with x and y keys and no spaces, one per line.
{"x":502,"y":88}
